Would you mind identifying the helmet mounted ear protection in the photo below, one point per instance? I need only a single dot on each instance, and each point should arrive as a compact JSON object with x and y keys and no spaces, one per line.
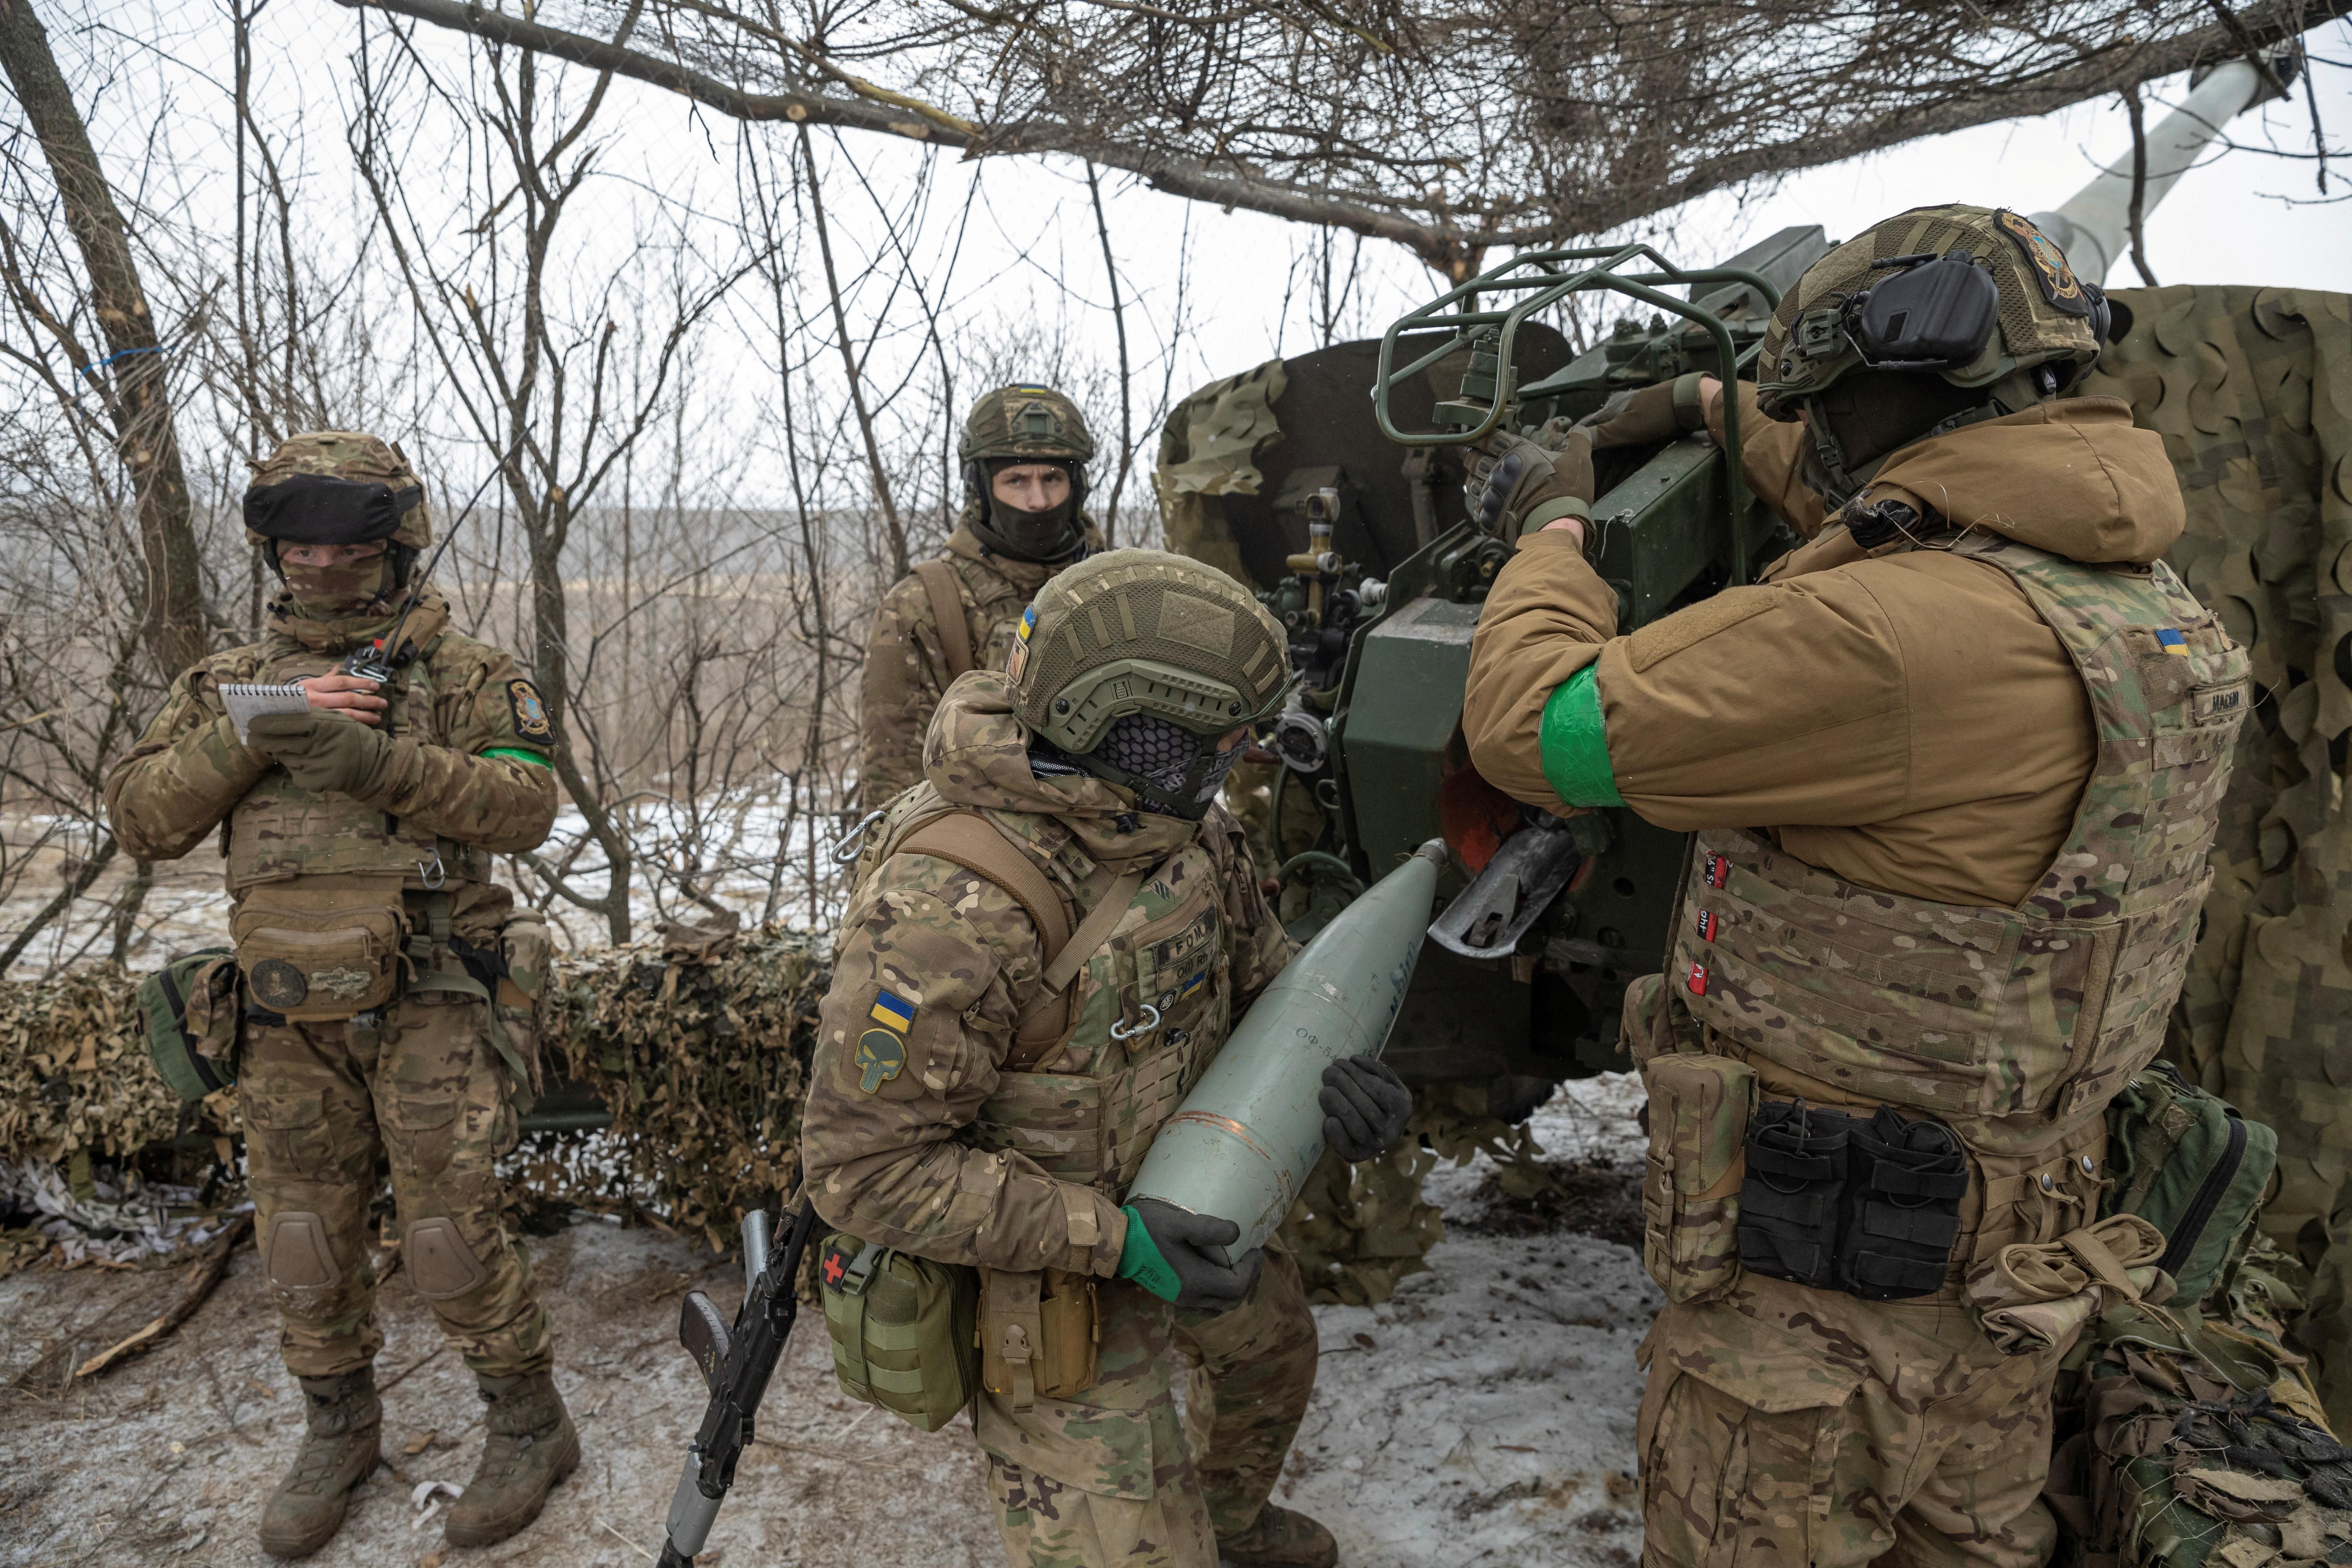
{"x":1936,"y":313}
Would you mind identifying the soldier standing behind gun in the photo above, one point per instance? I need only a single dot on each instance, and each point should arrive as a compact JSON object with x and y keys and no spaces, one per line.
{"x":1024,"y":451}
{"x":978,"y":1099}
{"x":1953,"y":770}
{"x":388,"y":980}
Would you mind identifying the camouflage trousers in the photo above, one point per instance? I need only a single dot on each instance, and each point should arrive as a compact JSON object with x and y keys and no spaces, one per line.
{"x":1787,"y":1427}
{"x":426,"y":1091}
{"x":1110,"y":1478}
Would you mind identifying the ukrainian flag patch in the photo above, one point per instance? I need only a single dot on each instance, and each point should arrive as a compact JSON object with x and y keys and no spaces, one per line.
{"x":1028,"y":622}
{"x":1192,"y":985}
{"x":894,"y":1012}
{"x":2172,"y":642}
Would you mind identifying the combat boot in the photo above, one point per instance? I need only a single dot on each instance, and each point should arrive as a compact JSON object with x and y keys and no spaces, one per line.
{"x":345,"y":1419}
{"x":1280,"y":1539}
{"x":530,"y":1446}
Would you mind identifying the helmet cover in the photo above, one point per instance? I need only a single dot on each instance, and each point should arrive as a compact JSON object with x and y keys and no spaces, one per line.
{"x":336,"y":486}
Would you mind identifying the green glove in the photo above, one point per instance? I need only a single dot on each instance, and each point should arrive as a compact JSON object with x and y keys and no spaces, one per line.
{"x":324,"y":752}
{"x":1140,"y":1260}
{"x":1164,"y":1255}
{"x":1515,"y":486}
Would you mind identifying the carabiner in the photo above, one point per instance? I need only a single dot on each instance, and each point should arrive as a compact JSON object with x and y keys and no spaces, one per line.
{"x":436,"y":874}
{"x":1149,"y":1024}
{"x":844,"y":849}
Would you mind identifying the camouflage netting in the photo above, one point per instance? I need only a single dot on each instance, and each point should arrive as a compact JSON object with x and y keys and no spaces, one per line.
{"x":2252,"y":390}
{"x":698,"y":1049}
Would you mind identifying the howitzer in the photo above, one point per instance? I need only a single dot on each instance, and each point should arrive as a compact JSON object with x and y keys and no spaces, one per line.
{"x":736,"y":1363}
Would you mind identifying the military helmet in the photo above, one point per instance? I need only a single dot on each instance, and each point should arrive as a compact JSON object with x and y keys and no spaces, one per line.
{"x":1969,"y":294}
{"x":1168,"y":651}
{"x":1035,"y":422}
{"x":336,"y":486}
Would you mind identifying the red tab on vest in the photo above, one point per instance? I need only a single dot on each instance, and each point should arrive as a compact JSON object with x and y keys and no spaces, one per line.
{"x":1707,"y":925}
{"x":1698,"y":980}
{"x":1718,"y":871}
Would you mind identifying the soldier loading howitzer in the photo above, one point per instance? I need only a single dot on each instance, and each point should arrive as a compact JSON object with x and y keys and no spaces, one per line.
{"x":1952,"y":768}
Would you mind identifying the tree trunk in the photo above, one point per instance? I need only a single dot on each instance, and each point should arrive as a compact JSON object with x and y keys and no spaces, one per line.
{"x":173,"y":620}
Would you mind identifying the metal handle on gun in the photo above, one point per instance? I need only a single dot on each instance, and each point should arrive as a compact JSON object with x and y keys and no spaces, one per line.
{"x":375,"y":664}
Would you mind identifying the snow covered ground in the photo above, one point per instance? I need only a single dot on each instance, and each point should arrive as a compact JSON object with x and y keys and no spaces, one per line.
{"x":1483,"y":1417}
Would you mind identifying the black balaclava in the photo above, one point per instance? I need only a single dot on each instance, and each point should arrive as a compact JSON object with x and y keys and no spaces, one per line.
{"x":1054,"y":535}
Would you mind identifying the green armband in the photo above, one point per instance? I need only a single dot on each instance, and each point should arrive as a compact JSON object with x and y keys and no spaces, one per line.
{"x":1140,"y":1260}
{"x":1575,"y":746}
{"x":517,"y":753}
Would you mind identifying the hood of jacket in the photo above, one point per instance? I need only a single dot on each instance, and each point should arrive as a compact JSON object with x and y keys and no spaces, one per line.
{"x":2073,"y":477}
{"x":976,"y":753}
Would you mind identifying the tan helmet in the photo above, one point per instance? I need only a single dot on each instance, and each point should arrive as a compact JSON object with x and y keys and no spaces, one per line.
{"x":1026,"y":422}
{"x":336,"y":486}
{"x":1899,"y":297}
{"x":1142,"y":632}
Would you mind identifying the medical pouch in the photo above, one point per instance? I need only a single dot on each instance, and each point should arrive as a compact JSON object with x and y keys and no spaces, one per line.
{"x":312,"y":952}
{"x":904,"y":1330}
{"x":1691,"y":1182}
{"x":1039,"y":1334}
{"x":187,"y":1011}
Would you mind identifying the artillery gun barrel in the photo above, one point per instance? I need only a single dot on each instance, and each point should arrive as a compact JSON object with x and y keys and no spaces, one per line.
{"x":1244,"y":1139}
{"x":2093,"y":226}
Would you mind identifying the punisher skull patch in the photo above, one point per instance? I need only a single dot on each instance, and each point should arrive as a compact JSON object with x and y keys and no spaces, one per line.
{"x":881,"y":1057}
{"x":2060,"y":289}
{"x":529,"y":712}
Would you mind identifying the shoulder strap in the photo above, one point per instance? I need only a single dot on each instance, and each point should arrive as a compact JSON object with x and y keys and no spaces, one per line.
{"x":978,"y":844}
{"x":938,"y":580}
{"x":970,"y":840}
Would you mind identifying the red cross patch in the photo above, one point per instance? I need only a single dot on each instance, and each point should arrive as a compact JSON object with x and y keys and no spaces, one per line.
{"x":833,"y":1268}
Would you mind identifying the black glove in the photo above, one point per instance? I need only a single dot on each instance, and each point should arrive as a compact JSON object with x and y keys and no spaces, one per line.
{"x":1515,"y":486}
{"x":323,"y":750}
{"x":1365,"y":1107}
{"x":1171,"y":1265}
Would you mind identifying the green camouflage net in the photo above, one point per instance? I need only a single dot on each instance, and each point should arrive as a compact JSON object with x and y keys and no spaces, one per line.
{"x":2252,"y":390}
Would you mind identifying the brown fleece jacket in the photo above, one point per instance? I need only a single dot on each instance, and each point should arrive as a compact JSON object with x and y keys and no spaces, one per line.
{"x":1906,"y":721}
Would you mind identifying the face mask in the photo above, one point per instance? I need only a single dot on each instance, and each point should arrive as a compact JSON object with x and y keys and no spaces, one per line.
{"x":331,"y":593}
{"x":1052,"y":534}
{"x":1171,"y":769}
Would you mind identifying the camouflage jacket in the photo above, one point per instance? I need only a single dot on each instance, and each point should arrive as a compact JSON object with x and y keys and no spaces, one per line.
{"x":918,"y":1133}
{"x":468,"y":778}
{"x":906,"y":670}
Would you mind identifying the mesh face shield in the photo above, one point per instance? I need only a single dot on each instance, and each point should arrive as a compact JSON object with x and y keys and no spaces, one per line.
{"x":1172,"y":770}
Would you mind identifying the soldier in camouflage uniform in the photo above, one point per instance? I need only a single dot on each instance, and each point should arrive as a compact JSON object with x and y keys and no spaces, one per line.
{"x":1024,"y":451}
{"x":988,"y":1080}
{"x":1952,"y":771}
{"x":389,"y":983}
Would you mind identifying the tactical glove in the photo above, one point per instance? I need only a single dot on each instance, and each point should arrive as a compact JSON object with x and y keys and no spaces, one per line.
{"x":324,"y":752}
{"x":1365,"y":1107}
{"x":1163,"y":1255}
{"x":1650,"y":416}
{"x":1516,"y":487}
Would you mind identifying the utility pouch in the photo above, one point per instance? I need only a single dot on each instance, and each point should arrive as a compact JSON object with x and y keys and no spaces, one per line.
{"x":902,"y":1328}
{"x":1904,"y":1181}
{"x":1691,"y":1182}
{"x":313,"y":953}
{"x":1038,"y":1334}
{"x":187,"y":1011}
{"x":2188,"y":1164}
{"x":1789,"y":1206}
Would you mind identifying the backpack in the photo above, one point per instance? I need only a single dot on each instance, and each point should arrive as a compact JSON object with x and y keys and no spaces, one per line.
{"x":2187,"y":1162}
{"x":188,"y":1009}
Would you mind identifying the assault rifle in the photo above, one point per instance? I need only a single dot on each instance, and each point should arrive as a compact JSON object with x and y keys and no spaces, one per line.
{"x":736,"y":1365}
